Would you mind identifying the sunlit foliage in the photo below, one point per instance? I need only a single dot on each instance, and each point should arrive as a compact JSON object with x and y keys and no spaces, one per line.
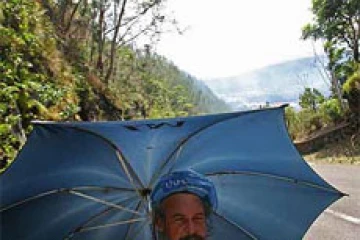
{"x":59,"y":62}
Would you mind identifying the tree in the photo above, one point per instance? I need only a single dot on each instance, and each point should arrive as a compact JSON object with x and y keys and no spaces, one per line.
{"x":35,"y":83}
{"x":108,"y":25}
{"x":337,"y":22}
{"x":352,"y":92}
{"x":311,"y":99}
{"x":48,"y":68}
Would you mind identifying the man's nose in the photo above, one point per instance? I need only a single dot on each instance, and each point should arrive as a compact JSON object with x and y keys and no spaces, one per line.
{"x":191,"y":227}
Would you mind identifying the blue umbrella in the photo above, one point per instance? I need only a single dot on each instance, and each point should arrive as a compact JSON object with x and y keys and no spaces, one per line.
{"x":84,"y":180}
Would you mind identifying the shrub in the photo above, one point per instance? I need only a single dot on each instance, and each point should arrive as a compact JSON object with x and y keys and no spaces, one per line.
{"x":330,"y":111}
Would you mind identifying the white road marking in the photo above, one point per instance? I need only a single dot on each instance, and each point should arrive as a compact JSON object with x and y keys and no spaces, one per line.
{"x":344,"y":216}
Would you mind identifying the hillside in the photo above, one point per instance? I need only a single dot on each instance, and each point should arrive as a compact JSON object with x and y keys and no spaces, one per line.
{"x":279,"y":83}
{"x":56,"y":65}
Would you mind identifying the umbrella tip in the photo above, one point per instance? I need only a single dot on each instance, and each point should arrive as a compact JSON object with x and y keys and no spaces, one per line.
{"x":342,"y":194}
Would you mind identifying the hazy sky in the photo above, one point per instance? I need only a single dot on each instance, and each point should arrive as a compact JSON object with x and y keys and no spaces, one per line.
{"x":229,"y":37}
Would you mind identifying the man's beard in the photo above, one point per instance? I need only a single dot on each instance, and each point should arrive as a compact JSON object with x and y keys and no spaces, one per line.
{"x":162,"y":236}
{"x":192,"y":237}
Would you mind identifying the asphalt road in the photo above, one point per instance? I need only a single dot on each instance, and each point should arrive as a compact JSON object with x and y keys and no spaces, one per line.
{"x":342,"y":219}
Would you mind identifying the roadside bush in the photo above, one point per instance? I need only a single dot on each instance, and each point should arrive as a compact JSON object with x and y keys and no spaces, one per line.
{"x":292,"y":122}
{"x":352,"y":92}
{"x":330,"y":111}
{"x":304,"y":122}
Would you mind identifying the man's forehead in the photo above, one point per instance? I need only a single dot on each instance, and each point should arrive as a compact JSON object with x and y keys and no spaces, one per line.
{"x":182,"y":200}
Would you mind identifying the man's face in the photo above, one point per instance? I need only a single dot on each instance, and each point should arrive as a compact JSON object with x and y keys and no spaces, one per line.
{"x":184,"y":217}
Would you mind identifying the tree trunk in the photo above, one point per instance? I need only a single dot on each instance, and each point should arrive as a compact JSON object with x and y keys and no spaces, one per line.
{"x":63,"y":9}
{"x":337,"y":90}
{"x":113,"y":43}
{"x":100,"y":64}
{"x":18,"y":129}
{"x":67,"y":28}
{"x":49,"y":11}
{"x":356,"y":51}
{"x":356,"y":42}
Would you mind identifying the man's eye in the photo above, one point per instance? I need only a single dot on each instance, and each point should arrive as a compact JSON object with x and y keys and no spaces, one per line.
{"x":199,"y":219}
{"x":179,"y":220}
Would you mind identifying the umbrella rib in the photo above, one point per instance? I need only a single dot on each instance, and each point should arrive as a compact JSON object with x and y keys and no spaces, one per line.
{"x":128,"y":230}
{"x":237,"y":226}
{"x":135,"y":236}
{"x":96,"y":188}
{"x":28,"y":200}
{"x":124,"y":162}
{"x":283,"y":178}
{"x":86,"y":229}
{"x":98,"y":200}
{"x":88,"y":221}
{"x":137,"y":233}
{"x":64,"y":190}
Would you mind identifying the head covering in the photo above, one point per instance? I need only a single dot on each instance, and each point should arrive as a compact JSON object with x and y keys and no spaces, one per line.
{"x":184,"y":181}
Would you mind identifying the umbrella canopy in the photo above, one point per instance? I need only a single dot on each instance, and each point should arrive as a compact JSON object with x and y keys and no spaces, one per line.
{"x":86,"y":180}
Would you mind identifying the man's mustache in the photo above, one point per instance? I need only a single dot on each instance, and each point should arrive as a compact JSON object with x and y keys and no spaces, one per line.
{"x":192,"y":237}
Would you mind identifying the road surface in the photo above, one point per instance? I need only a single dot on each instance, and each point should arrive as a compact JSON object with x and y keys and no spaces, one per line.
{"x":341,"y":221}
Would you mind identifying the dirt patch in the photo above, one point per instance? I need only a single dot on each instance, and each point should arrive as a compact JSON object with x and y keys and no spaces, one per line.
{"x":346,"y":151}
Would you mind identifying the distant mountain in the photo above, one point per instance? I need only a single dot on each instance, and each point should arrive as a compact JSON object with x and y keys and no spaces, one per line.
{"x":275,"y":84}
{"x":206,"y":101}
{"x":201,"y":97}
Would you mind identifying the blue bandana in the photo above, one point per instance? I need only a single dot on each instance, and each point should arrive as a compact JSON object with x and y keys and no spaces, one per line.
{"x":184,"y":181}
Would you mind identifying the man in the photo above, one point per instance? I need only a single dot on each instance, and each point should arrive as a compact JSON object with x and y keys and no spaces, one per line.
{"x":182,"y":203}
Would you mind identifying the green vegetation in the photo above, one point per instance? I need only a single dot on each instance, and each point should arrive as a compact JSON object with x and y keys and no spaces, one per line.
{"x":67,"y":60}
{"x":337,"y":23}
{"x":303,"y":123}
{"x":33,"y":85}
{"x":311,"y":98}
{"x":319,"y":128}
{"x":73,"y":60}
